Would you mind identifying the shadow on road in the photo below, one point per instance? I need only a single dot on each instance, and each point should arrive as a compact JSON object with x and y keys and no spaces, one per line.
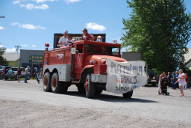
{"x":112,"y":98}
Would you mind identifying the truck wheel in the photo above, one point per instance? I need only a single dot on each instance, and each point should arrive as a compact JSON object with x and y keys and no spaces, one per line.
{"x":128,"y":94}
{"x":56,"y":85}
{"x":46,"y":82}
{"x":89,"y":87}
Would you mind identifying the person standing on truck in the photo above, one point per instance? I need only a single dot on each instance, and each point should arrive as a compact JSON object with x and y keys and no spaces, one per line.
{"x":86,"y":35}
{"x":63,"y":41}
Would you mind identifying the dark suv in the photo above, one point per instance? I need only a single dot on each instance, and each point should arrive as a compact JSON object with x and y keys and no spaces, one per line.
{"x":152,"y":78}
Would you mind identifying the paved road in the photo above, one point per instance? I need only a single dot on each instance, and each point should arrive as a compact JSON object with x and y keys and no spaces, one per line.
{"x":27,"y":106}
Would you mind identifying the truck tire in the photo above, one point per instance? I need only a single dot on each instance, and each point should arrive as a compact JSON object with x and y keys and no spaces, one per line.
{"x":89,"y":87}
{"x":56,"y":85}
{"x":46,"y":82}
{"x":128,"y":94}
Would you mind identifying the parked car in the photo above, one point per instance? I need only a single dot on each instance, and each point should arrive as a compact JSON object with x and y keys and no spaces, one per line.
{"x":11,"y":73}
{"x":4,"y":71}
{"x":15,"y":70}
{"x":152,"y":78}
{"x":1,"y":71}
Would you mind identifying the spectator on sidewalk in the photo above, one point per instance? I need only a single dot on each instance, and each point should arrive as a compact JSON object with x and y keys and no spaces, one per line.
{"x":36,"y":74}
{"x":18,"y":74}
{"x":181,"y":82}
{"x":175,"y":78}
{"x":162,"y":75}
{"x":27,"y":73}
{"x":169,"y":77}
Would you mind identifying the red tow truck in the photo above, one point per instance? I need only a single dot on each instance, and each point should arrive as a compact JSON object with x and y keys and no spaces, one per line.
{"x":93,"y":67}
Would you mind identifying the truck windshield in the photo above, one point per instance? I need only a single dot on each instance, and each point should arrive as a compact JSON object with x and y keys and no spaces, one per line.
{"x":101,"y":50}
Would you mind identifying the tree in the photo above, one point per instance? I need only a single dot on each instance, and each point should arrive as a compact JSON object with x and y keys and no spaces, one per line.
{"x":2,"y":60}
{"x":160,"y":30}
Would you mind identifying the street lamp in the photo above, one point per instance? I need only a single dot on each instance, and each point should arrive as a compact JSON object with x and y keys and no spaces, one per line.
{"x":17,"y":50}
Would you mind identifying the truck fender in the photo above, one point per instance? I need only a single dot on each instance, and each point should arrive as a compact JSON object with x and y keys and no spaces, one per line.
{"x":86,"y":69}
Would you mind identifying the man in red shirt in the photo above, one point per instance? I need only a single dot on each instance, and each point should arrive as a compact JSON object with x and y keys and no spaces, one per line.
{"x":86,"y":35}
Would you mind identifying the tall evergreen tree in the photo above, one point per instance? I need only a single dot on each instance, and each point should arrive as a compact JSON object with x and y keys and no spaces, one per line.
{"x":2,"y":60}
{"x":160,"y":30}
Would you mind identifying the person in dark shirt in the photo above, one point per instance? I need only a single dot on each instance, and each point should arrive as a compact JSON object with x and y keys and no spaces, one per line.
{"x":36,"y":73}
{"x":87,"y":36}
{"x":18,"y":74}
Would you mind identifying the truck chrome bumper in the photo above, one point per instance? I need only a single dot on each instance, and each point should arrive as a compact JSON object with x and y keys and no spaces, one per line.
{"x":97,"y":78}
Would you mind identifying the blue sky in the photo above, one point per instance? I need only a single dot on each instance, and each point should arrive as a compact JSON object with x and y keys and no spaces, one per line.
{"x":31,"y":23}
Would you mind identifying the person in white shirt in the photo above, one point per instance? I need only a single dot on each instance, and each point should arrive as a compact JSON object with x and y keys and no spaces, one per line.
{"x":181,"y":81}
{"x":99,"y":39}
{"x":63,"y":41}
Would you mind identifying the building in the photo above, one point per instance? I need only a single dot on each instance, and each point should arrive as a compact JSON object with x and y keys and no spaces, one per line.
{"x":12,"y":58}
{"x":25,"y":58}
{"x":187,"y":58}
{"x":31,"y":57}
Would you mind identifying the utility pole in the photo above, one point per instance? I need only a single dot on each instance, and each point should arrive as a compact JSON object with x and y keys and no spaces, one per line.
{"x":17,"y":50}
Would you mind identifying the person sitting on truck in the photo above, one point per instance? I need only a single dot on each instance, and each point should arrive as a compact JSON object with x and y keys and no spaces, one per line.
{"x":99,"y":39}
{"x":86,"y":35}
{"x":63,"y":41}
{"x":70,"y":40}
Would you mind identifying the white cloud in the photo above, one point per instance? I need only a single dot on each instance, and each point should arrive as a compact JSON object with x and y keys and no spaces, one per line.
{"x":36,"y":1}
{"x":28,"y":26}
{"x":10,"y":50}
{"x":72,"y":1}
{"x":34,"y":6}
{"x":43,"y":1}
{"x":18,"y":1}
{"x":1,"y":46}
{"x":34,"y":45}
{"x":1,"y":28}
{"x":95,"y":26}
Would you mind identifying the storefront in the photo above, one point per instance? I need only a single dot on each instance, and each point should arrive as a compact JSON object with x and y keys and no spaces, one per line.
{"x":32,"y":58}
